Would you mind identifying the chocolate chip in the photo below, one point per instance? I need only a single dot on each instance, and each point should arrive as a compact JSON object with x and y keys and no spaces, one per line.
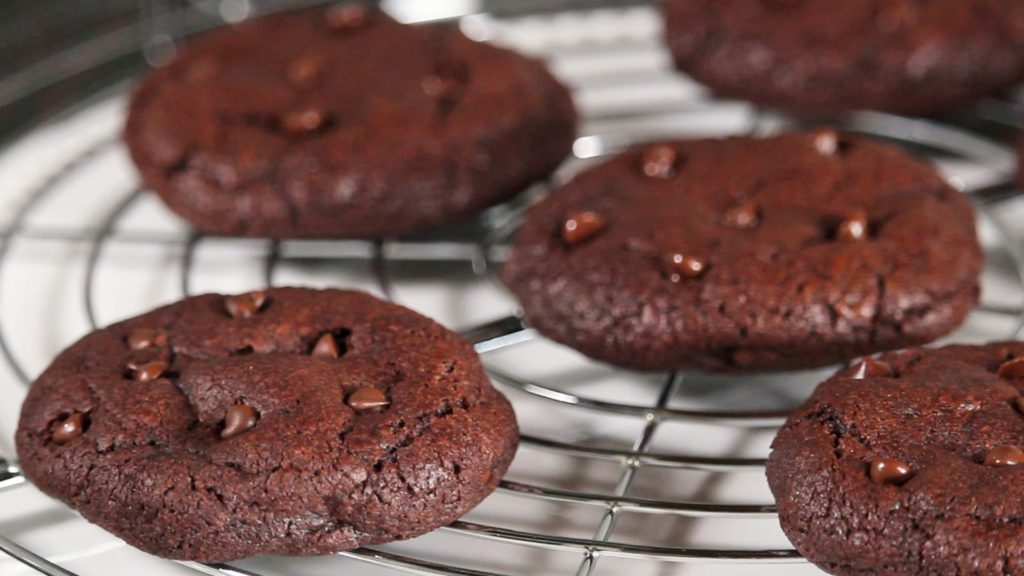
{"x":305,"y":71}
{"x":201,"y":70}
{"x":854,"y":228}
{"x":149,"y":371}
{"x":826,"y":141}
{"x":887,"y":471}
{"x":1005,"y":455}
{"x":660,"y":161}
{"x":326,"y":346}
{"x":245,"y":305}
{"x":303,"y":121}
{"x":1011,"y":369}
{"x":69,"y":428}
{"x":365,"y":399}
{"x":346,"y":17}
{"x":682,"y":266}
{"x":143,"y":338}
{"x":1019,"y":403}
{"x":237,"y":419}
{"x":871,"y":368}
{"x":744,"y":216}
{"x":581,"y":225}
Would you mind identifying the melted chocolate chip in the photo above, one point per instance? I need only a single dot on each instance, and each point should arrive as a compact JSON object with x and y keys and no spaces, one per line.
{"x":143,"y":338}
{"x":581,"y":226}
{"x":346,"y":17}
{"x":303,"y":121}
{"x":744,"y":216}
{"x":854,"y":228}
{"x":660,"y":161}
{"x":682,"y":266}
{"x":365,"y":399}
{"x":1011,"y":369}
{"x":1019,"y":403}
{"x":871,"y":368}
{"x":326,"y":346}
{"x":305,"y":71}
{"x":237,"y":419}
{"x":69,"y":428}
{"x":826,"y":141}
{"x":887,"y":471}
{"x":1005,"y":455}
{"x":245,"y":305}
{"x":149,"y":371}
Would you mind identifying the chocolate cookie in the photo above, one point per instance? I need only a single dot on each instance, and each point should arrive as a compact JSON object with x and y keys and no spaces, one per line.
{"x":291,"y":421}
{"x":344,"y":123}
{"x":742,"y":254}
{"x":812,"y":57}
{"x":908,"y":465}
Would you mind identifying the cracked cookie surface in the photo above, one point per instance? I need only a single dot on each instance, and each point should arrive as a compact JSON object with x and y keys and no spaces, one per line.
{"x":748,"y":254}
{"x":344,"y":123}
{"x":812,"y":57}
{"x":909,"y":465}
{"x":291,"y":421}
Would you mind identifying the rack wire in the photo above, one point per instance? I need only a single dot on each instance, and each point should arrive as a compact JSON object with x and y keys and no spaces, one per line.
{"x":607,"y":128}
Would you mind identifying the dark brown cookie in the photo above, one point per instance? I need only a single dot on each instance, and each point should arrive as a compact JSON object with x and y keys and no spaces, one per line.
{"x":909,"y":465}
{"x":748,"y":254}
{"x":815,"y":57}
{"x":344,"y":123}
{"x":291,"y":421}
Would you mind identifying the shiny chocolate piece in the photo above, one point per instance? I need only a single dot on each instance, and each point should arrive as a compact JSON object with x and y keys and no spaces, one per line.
{"x":745,"y":216}
{"x":305,"y":71}
{"x":660,"y":161}
{"x":871,"y":368}
{"x":245,"y":305}
{"x":1004,"y":455}
{"x":682,"y":266}
{"x":854,"y":228}
{"x":582,"y":225}
{"x":143,"y":338}
{"x":1011,"y":369}
{"x":237,"y":419}
{"x":1018,"y":402}
{"x":888,"y":471}
{"x":347,"y":17}
{"x":69,"y":428}
{"x":326,"y":346}
{"x":149,"y":371}
{"x":365,"y":399}
{"x":303,"y":121}
{"x":826,"y":141}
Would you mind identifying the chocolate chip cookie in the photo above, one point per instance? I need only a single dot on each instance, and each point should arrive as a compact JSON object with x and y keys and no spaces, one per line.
{"x":811,"y":57}
{"x":908,"y":465}
{"x":748,"y":254}
{"x":291,"y":421}
{"x":344,"y":123}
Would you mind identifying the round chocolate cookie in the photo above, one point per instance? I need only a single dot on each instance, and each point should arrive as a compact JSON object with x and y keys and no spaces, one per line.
{"x":909,"y":465}
{"x":344,"y":123}
{"x":814,"y":57}
{"x":748,"y":254}
{"x":291,"y":421}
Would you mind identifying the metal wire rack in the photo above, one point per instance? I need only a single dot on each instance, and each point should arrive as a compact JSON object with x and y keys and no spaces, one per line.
{"x":626,"y":479}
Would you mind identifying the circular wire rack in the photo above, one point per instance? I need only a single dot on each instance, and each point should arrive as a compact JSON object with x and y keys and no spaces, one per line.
{"x":638,"y":471}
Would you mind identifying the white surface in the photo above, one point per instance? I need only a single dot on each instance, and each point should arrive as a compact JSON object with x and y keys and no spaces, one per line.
{"x":42,"y":310}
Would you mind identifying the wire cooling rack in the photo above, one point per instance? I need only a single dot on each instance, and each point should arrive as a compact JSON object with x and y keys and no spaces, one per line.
{"x":618,"y":472}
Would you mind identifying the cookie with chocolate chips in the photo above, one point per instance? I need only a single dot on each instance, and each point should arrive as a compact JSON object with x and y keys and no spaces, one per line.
{"x":813,"y":57}
{"x":291,"y":421}
{"x":344,"y":123}
{"x":909,"y":465}
{"x":748,"y":254}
